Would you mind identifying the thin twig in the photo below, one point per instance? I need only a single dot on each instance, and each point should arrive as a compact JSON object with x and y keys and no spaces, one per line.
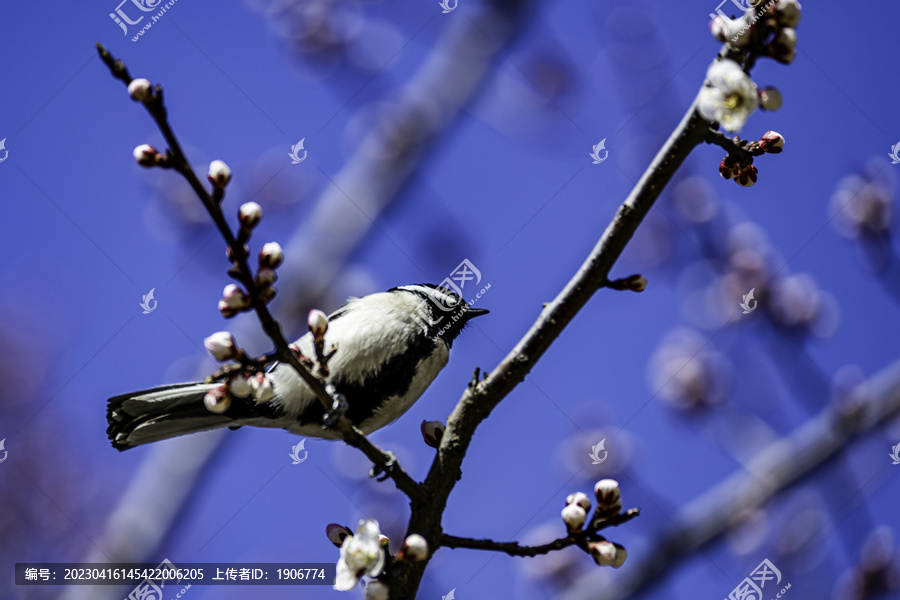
{"x":178,"y":161}
{"x":579,"y":539}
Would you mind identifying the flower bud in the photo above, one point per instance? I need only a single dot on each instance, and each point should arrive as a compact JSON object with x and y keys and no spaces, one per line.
{"x":250,"y":214}
{"x":784,"y":47}
{"x":336,"y":533}
{"x":217,"y":400}
{"x":221,"y":345}
{"x":579,"y":498}
{"x":772,"y":142}
{"x":787,"y":13}
{"x":608,"y":554}
{"x":770,"y":98}
{"x":415,"y":549}
{"x":267,"y":294}
{"x":147,"y":156}
{"x":262,"y":388}
{"x":636,"y":283}
{"x":607,"y":492}
{"x":235,"y":298}
{"x":318,"y":323}
{"x":432,"y":432}
{"x":265,"y":277}
{"x":140,"y":90}
{"x":219,"y":174}
{"x":376,"y":590}
{"x":240,"y":386}
{"x":747,"y":176}
{"x":727,"y":168}
{"x":226,"y":310}
{"x":574,"y":516}
{"x":270,"y":256}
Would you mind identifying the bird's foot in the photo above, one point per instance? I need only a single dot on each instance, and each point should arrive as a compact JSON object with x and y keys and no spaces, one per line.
{"x":381,"y":473}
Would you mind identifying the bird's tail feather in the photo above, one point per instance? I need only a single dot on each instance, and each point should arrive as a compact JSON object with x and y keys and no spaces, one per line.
{"x":161,"y":413}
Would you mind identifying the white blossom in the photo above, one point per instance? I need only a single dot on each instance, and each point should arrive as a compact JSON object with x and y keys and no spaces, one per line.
{"x":250,"y":214}
{"x":361,"y":554}
{"x":731,"y":97}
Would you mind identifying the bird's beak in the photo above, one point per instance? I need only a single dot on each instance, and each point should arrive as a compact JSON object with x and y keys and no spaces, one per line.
{"x":476,"y":312}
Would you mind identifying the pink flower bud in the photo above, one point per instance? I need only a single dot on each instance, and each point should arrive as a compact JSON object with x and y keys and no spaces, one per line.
{"x":318,"y":323}
{"x":432,"y":432}
{"x":336,"y":533}
{"x":219,"y":174}
{"x":727,"y":168}
{"x":226,"y":310}
{"x":140,"y":90}
{"x":579,"y":498}
{"x":240,"y":386}
{"x":265,"y":277}
{"x":574,"y":516}
{"x":221,"y":345}
{"x":147,"y":156}
{"x":770,"y":98}
{"x":607,"y":492}
{"x":747,"y":176}
{"x":217,"y":400}
{"x":250,"y":214}
{"x":415,"y":549}
{"x":271,"y":256}
{"x":262,"y":388}
{"x":235,"y":298}
{"x":608,"y":554}
{"x":772,"y":142}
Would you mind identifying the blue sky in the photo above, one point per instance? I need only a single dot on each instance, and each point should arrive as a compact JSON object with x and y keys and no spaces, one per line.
{"x":509,"y":185}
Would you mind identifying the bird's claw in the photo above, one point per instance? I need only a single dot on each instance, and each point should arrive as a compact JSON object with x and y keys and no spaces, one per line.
{"x":379,"y":473}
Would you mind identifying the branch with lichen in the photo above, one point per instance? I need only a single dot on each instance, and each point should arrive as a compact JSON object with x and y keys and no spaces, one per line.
{"x":259,"y":291}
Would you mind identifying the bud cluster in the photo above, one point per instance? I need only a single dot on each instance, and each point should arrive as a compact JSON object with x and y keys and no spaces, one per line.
{"x":609,"y":504}
{"x":243,"y":383}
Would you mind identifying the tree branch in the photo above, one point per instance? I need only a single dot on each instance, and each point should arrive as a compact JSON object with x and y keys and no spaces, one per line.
{"x":578,"y":538}
{"x":177,"y":160}
{"x":782,"y":464}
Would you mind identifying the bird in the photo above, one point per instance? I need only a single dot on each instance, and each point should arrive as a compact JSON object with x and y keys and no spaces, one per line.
{"x":388,"y":349}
